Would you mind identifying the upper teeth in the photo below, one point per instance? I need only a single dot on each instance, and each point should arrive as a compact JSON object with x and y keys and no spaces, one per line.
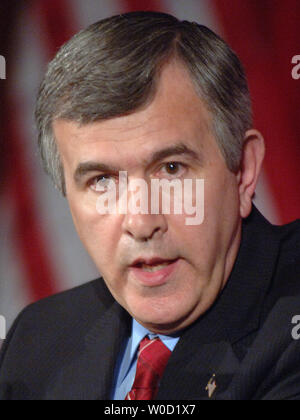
{"x":152,"y":268}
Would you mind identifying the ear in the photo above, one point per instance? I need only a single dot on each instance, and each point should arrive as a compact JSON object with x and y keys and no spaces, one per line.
{"x":252,"y":159}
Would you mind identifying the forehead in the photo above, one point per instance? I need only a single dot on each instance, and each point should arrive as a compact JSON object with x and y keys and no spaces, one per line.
{"x":175,"y":115}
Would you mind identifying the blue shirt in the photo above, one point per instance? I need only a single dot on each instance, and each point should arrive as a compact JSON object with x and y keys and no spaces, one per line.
{"x":126,"y":367}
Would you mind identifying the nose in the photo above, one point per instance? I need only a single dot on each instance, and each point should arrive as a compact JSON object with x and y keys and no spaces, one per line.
{"x":143,"y":227}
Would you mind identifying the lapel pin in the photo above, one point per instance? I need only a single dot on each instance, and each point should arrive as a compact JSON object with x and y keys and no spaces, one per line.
{"x":211,"y":386}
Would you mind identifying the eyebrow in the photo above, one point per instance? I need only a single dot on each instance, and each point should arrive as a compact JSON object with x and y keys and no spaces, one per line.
{"x":85,"y":168}
{"x":178,"y":149}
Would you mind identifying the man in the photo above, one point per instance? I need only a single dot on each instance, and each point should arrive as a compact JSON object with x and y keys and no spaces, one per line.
{"x":147,"y":96}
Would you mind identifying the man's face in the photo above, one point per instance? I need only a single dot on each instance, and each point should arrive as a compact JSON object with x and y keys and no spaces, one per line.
{"x":164,"y":272}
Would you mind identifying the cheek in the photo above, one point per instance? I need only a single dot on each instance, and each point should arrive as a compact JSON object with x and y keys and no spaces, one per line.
{"x":204,"y":244}
{"x":221,"y":196}
{"x":192,"y":242}
{"x":98,"y":233}
{"x":221,"y":213}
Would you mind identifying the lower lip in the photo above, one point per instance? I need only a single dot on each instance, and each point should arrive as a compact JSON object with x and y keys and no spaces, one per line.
{"x":155,"y":278}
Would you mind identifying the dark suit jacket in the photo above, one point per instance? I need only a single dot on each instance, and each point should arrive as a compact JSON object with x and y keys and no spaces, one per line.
{"x":66,"y":346}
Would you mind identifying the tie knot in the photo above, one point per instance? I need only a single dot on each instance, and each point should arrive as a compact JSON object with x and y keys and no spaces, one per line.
{"x":154,"y":353}
{"x":152,"y":359}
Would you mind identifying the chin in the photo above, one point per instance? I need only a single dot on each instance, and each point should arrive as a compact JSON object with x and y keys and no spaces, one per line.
{"x":167,"y":308}
{"x":163,"y":320}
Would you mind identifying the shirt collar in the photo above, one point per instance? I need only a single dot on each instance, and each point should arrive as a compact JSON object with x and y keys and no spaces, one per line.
{"x":139,"y":332}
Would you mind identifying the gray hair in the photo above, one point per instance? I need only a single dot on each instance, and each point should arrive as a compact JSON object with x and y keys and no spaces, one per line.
{"x":112,"y":68}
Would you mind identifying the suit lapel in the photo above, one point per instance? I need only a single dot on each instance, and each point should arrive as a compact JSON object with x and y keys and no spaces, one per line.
{"x":198,"y":372}
{"x":90,"y":376}
{"x":203,"y":363}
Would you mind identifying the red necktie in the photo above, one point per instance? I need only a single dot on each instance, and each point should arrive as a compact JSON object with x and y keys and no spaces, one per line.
{"x":152,"y":359}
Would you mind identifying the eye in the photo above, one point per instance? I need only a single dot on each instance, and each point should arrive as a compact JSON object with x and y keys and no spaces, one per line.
{"x":101,"y":183}
{"x":173,"y":168}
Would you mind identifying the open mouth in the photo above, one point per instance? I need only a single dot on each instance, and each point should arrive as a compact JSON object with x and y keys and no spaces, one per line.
{"x":154,"y":272}
{"x":152,"y":268}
